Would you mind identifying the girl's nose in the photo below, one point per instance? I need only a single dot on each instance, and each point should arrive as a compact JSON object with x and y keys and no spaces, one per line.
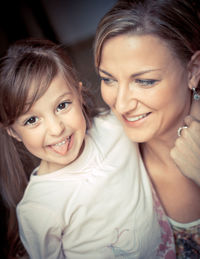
{"x":55,"y":126}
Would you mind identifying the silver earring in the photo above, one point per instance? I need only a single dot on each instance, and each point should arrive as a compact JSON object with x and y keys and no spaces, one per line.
{"x":196,"y":96}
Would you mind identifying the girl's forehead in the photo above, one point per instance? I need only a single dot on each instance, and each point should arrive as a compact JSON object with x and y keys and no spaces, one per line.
{"x":49,"y":88}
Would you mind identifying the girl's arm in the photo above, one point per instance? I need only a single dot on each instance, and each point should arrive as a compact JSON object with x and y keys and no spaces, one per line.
{"x":186,"y":152}
{"x":40,"y":232}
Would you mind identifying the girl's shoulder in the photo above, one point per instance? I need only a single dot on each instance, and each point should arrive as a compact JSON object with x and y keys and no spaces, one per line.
{"x":108,"y":135}
{"x":106,"y":122}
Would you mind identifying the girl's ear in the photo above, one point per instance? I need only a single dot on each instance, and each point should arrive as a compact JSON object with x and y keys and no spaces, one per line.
{"x":13,"y":134}
{"x":194,"y":70}
{"x":80,"y":84}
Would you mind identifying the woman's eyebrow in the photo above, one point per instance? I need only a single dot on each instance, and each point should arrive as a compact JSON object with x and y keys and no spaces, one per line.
{"x":104,"y":72}
{"x":144,"y":72}
{"x":132,"y":75}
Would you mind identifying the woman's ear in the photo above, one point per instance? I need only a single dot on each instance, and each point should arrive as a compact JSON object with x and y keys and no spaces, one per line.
{"x":194,"y":70}
{"x":13,"y":134}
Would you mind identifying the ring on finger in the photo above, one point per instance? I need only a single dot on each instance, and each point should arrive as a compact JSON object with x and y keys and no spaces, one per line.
{"x":180,"y":129}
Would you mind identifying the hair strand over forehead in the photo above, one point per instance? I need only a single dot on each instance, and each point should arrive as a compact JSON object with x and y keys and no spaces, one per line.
{"x":174,"y":21}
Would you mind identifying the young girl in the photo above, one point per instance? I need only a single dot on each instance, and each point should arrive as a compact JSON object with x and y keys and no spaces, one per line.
{"x":89,"y":197}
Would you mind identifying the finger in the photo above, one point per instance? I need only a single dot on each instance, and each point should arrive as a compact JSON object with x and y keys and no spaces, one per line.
{"x":183,"y":147}
{"x":195,"y":109}
{"x":189,"y":119}
{"x":188,"y":144}
{"x":186,"y":160}
{"x":194,"y":132}
{"x":193,"y":129}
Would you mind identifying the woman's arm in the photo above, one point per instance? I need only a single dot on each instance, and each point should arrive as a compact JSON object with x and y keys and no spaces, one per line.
{"x":186,"y":151}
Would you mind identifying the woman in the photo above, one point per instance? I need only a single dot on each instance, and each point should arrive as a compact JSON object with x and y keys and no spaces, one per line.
{"x":147,"y":54}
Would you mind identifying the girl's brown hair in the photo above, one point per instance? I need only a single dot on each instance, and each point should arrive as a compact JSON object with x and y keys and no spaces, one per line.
{"x":26,"y":62}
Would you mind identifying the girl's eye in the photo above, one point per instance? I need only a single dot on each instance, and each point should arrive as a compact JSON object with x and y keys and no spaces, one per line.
{"x":31,"y":121}
{"x":63,"y":105}
{"x":146,"y":82}
{"x":108,"y":81}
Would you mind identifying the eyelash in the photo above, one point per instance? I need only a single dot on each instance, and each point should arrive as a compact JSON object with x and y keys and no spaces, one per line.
{"x":28,"y":122}
{"x":141,"y":82}
{"x":108,"y":81}
{"x":36,"y":119}
{"x":146,"y":82}
{"x":66,"y":104}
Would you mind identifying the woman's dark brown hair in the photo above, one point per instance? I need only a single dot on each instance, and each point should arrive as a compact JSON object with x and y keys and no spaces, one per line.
{"x":28,"y":62}
{"x":174,"y":21}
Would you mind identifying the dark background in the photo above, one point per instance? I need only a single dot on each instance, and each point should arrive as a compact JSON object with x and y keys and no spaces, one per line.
{"x":69,"y":22}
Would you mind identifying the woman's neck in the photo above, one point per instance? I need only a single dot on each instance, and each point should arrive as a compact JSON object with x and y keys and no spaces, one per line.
{"x":158,"y":148}
{"x":157,"y":151}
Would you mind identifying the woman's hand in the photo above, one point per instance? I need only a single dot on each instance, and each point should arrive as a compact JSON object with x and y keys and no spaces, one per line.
{"x":186,"y":151}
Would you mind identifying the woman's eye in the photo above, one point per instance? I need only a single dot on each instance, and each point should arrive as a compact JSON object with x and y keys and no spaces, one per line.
{"x":146,"y":82}
{"x":63,"y":105}
{"x":31,"y":121}
{"x":108,"y":81}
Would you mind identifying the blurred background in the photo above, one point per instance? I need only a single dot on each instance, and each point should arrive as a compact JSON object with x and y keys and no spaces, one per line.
{"x":69,"y":22}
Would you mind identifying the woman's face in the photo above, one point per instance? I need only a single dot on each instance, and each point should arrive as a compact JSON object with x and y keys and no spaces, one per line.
{"x":145,"y":85}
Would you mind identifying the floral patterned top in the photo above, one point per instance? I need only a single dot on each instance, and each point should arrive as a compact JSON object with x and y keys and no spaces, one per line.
{"x":187,"y":239}
{"x":166,"y":249}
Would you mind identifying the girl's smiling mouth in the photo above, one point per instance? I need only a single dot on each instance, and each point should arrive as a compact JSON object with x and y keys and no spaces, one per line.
{"x":63,"y":146}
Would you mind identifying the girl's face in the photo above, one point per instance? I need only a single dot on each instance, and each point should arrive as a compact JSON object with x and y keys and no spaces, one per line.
{"x":145,"y":86}
{"x":54,"y":128}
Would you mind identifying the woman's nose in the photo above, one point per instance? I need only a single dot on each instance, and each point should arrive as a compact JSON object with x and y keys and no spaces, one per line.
{"x":125,"y":101}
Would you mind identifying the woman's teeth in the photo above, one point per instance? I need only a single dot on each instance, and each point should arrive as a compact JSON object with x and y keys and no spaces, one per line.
{"x":137,"y":118}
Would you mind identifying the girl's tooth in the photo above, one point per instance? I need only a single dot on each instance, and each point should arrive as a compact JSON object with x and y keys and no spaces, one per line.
{"x":63,"y":142}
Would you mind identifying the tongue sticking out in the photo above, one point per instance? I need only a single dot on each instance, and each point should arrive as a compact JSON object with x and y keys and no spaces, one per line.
{"x":62,"y":148}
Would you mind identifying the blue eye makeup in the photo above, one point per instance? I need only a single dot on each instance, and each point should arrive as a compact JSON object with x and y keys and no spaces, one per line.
{"x":146,"y":82}
{"x":108,"y":81}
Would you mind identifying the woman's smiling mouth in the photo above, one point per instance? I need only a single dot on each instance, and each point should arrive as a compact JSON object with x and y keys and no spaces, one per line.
{"x":135,"y":119}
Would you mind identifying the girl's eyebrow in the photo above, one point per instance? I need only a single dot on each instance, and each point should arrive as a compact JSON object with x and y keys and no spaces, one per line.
{"x":64,"y":94}
{"x":133,"y":75}
{"x":59,"y":97}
